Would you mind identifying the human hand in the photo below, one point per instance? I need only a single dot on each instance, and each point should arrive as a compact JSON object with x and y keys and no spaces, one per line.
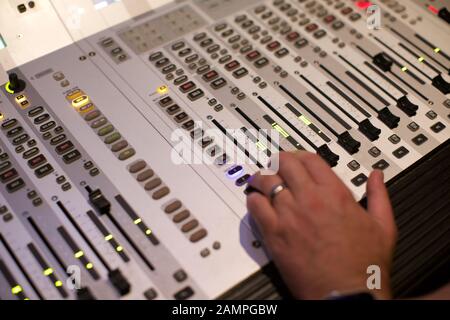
{"x":319,"y":237}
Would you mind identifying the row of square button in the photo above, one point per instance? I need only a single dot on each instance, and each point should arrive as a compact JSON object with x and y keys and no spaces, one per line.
{"x":178,"y":115}
{"x":114,"y":50}
{"x":208,"y":75}
{"x":63,"y":147}
{"x":278,"y":24}
{"x":230,"y":65}
{"x":7,"y":173}
{"x":271,"y":45}
{"x":36,"y":161}
{"x":193,"y":93}
{"x":7,"y":216}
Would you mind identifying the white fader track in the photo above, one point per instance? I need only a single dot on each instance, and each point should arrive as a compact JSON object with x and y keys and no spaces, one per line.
{"x":92,"y":205}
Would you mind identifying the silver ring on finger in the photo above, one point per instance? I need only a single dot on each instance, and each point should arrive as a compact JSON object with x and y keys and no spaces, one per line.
{"x":276,"y":190}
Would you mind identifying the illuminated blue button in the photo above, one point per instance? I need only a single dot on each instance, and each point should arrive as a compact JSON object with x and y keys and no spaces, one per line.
{"x":235,"y":171}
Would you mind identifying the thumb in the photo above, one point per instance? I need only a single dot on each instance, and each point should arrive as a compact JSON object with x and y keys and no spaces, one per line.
{"x":379,"y":205}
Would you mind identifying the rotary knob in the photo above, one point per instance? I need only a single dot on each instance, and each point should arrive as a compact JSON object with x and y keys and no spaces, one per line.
{"x":15,"y":83}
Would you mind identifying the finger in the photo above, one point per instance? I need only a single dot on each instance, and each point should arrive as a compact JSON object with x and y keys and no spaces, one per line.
{"x":379,"y":205}
{"x":262,"y":212}
{"x":292,"y":172}
{"x":318,"y":169}
{"x":266,"y":184}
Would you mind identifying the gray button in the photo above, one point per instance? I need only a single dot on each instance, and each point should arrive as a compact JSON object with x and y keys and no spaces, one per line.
{"x":374,"y":152}
{"x":381,"y":165}
{"x":180,"y":80}
{"x":180,"y":276}
{"x":178,"y":45}
{"x":431,"y":114}
{"x":37,"y":202}
{"x":419,"y":139}
{"x":359,"y":179}
{"x":199,"y":36}
{"x":7,"y":217}
{"x":413,"y":126}
{"x":394,"y":139}
{"x":124,"y":155}
{"x":400,"y":152}
{"x":150,"y":294}
{"x":353,"y":165}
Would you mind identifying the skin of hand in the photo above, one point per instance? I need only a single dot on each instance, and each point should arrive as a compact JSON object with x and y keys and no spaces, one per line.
{"x":319,"y":237}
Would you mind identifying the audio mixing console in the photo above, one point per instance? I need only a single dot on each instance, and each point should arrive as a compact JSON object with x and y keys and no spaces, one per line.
{"x":92,"y":204}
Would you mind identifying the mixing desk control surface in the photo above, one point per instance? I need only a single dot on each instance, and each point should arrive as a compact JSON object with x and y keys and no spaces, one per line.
{"x":90,"y":181}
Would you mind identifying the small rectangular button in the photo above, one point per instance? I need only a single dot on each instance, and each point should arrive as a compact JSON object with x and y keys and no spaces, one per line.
{"x":191,"y":58}
{"x":20,"y":139}
{"x":30,"y":153}
{"x":14,"y":132}
{"x":260,"y":63}
{"x":273,"y":45}
{"x":400,"y":152}
{"x":42,"y":118}
{"x":155,"y":56}
{"x":36,"y":161}
{"x":282,"y":53}
{"x":189,"y":125}
{"x":5,"y":165}
{"x":437,"y":127}
{"x":319,"y":34}
{"x":359,"y":180}
{"x":253,"y":55}
{"x":181,"y":117}
{"x":8,"y":175}
{"x":203,"y":69}
{"x":219,"y":83}
{"x":72,"y":156}
{"x":44,"y":170}
{"x":419,"y":139}
{"x":64,"y":147}
{"x":47,"y":126}
{"x":168,"y":69}
{"x":15,"y":185}
{"x":184,"y":294}
{"x":196,"y":94}
{"x":301,"y":43}
{"x":188,"y":86}
{"x":381,"y":165}
{"x":161,"y":63}
{"x":58,"y":139}
{"x":293,"y":36}
{"x":230,"y":66}
{"x":9,"y":124}
{"x":209,"y":76}
{"x":180,"y":80}
{"x":164,"y":102}
{"x":173,"y":109}
{"x":240,"y":73}
{"x":311,"y":27}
